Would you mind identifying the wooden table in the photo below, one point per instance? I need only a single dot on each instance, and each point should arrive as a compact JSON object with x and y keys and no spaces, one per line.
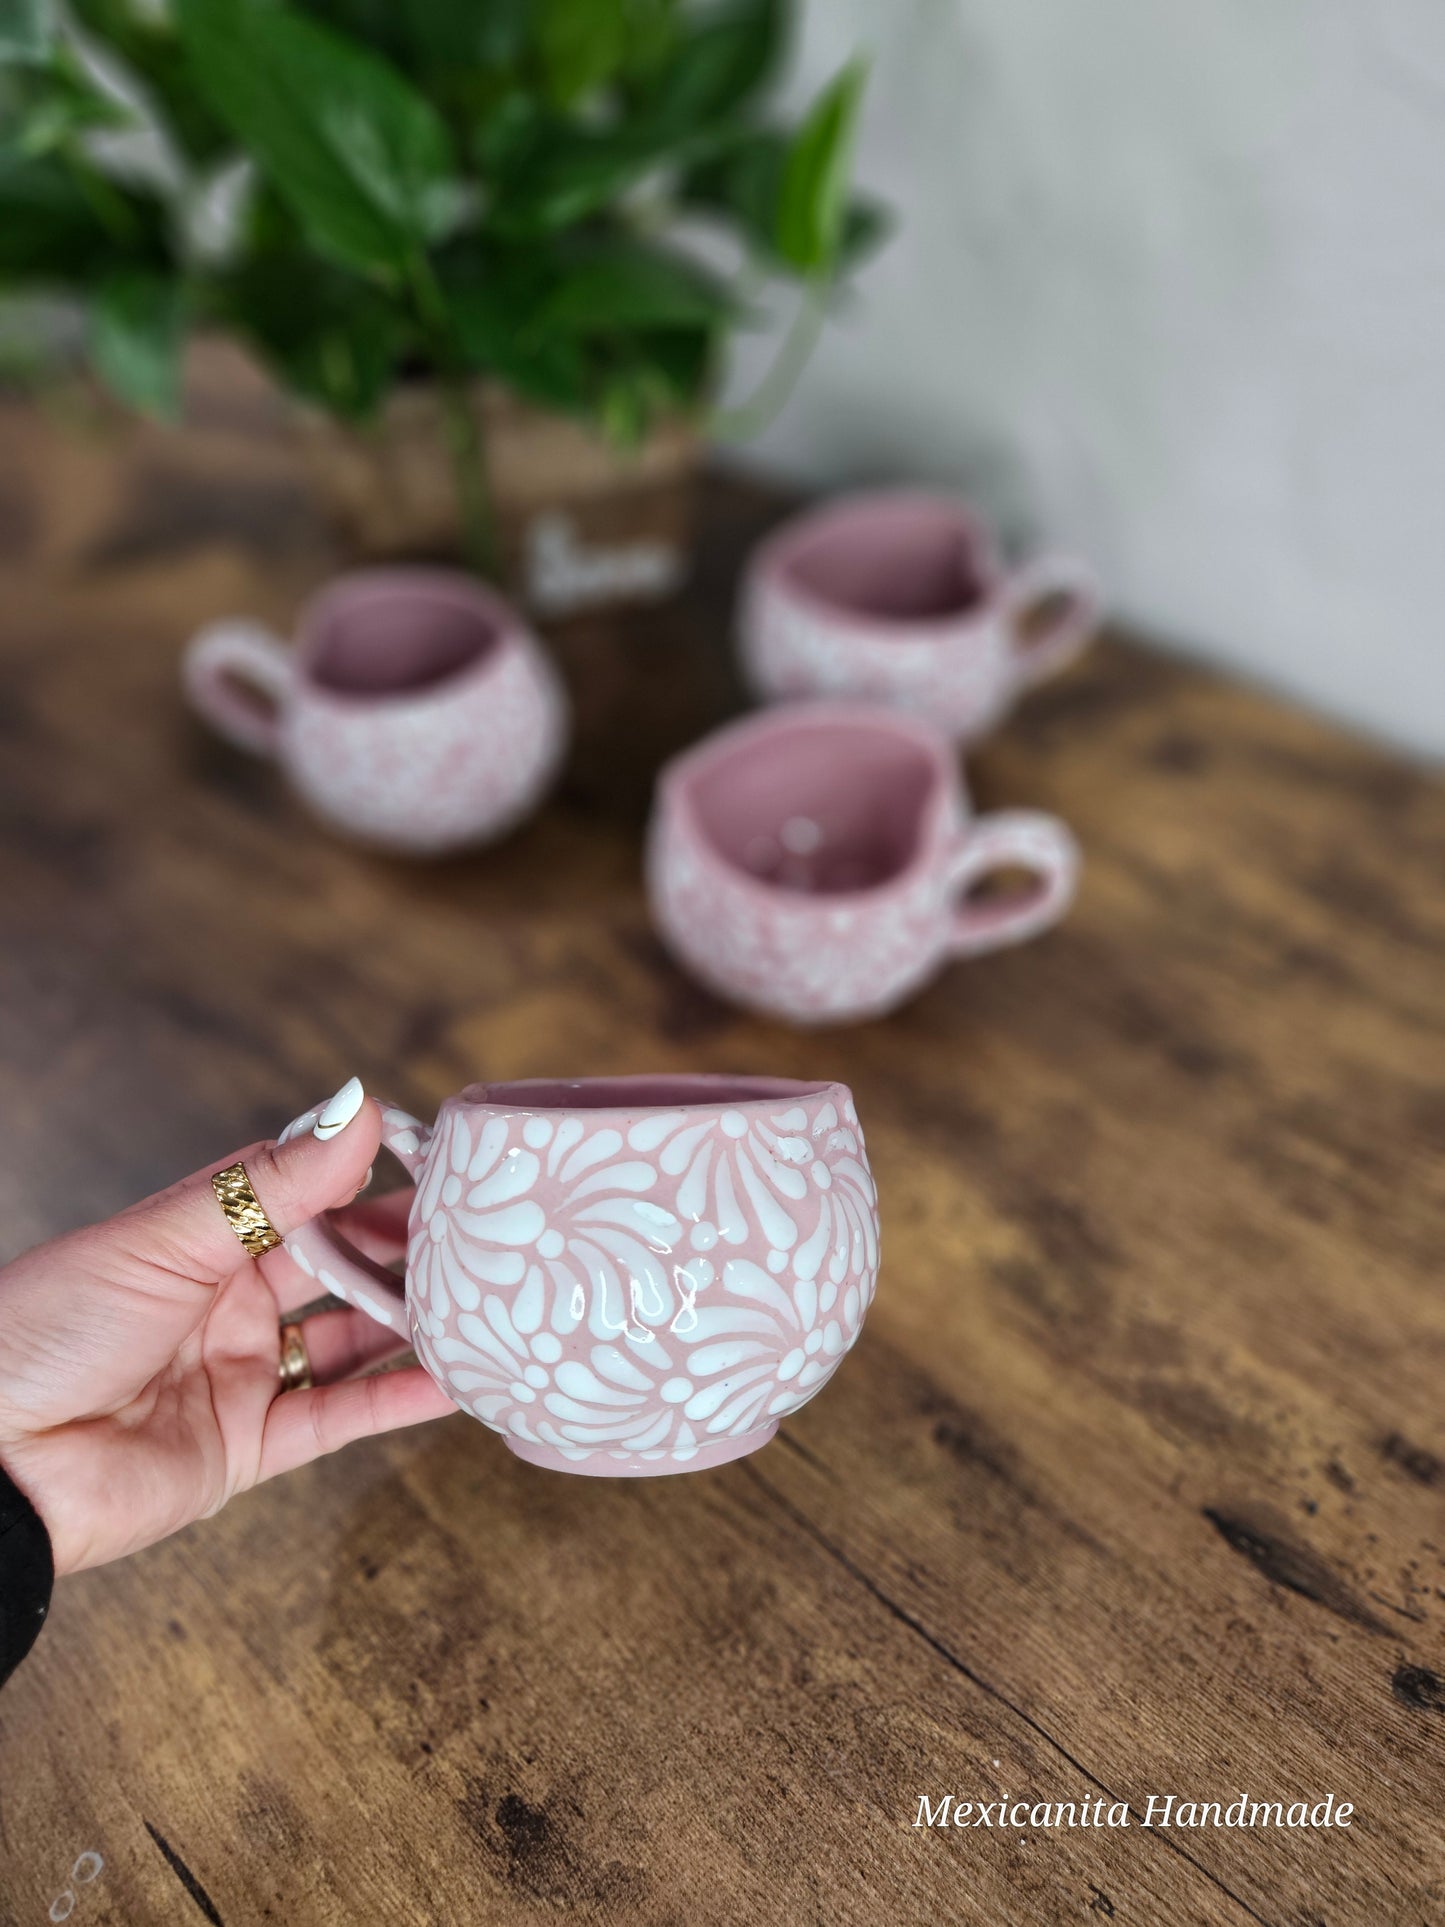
{"x":1133,"y":1486}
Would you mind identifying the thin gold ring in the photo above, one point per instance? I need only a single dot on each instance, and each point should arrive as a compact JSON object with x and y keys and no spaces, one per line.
{"x":295,"y":1368}
{"x":244,"y":1213}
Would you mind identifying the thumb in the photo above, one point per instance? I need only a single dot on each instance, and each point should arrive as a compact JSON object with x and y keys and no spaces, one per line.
{"x":320,"y":1160}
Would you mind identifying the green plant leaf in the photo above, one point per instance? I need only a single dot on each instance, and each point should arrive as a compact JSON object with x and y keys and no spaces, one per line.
{"x":62,"y":228}
{"x":564,"y":175}
{"x":867,"y":225}
{"x":560,"y":176}
{"x":48,"y":230}
{"x":507,"y":130}
{"x":652,"y":34}
{"x":137,"y":328}
{"x":494,"y":294}
{"x":604,"y":329}
{"x":147,"y":42}
{"x":433,"y":40}
{"x":27,"y":30}
{"x":330,"y":337}
{"x":361,"y":157}
{"x":741,"y":186}
{"x":550,"y":371}
{"x":624,"y":408}
{"x":581,"y":44}
{"x":680,"y":363}
{"x":43,"y":106}
{"x":725,"y":58}
{"x":650,"y":375}
{"x":812,"y":194}
{"x":622,"y":284}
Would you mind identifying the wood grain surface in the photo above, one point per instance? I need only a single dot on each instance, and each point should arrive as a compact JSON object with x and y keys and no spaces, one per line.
{"x":1133,"y":1486}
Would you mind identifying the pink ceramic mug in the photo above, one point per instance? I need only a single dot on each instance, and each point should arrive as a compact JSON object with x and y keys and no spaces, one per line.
{"x":626,"y":1275}
{"x":814,"y":862}
{"x":416,"y":711}
{"x":899,"y":598}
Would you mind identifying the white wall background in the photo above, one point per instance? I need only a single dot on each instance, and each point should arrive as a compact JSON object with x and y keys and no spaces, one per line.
{"x":1169,"y":288}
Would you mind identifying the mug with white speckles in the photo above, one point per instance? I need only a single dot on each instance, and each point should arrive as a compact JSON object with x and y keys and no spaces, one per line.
{"x":416,"y":713}
{"x":899,"y":597}
{"x":817,"y":862}
{"x":626,"y":1276}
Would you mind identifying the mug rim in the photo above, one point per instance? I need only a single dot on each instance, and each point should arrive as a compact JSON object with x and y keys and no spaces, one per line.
{"x":715,"y":1091}
{"x":677,"y":777}
{"x":433,"y":583}
{"x":770,"y":563}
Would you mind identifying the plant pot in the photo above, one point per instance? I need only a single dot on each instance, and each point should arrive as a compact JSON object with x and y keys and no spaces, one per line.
{"x":580,"y":523}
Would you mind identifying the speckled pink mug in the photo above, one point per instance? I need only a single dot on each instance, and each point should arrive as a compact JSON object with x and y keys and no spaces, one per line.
{"x":899,"y":597}
{"x":416,"y":711}
{"x":626,"y":1275}
{"x":815,"y":861}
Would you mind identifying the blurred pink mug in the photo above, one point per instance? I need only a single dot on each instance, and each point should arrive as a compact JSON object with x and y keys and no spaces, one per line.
{"x":899,"y":597}
{"x":416,"y":711}
{"x":815,"y":862}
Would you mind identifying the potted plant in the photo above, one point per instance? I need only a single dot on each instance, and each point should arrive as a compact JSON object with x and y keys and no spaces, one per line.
{"x":473,"y":223}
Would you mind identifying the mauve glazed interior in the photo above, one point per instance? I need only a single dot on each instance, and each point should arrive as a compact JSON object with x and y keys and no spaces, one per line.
{"x":645,"y":1093}
{"x":910,"y":562}
{"x":825,"y":809}
{"x":394,"y":641}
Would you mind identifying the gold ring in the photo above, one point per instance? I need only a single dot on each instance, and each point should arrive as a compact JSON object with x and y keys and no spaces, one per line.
{"x":243,"y":1210}
{"x":295,"y":1362}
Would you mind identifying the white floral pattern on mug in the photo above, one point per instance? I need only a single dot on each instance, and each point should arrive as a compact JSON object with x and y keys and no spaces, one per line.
{"x":592,"y":1289}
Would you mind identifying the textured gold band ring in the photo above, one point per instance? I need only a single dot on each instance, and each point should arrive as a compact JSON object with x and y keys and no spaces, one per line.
{"x":243,"y":1210}
{"x":295,"y":1362}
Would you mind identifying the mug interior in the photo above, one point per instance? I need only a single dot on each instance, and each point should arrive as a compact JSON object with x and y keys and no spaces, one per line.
{"x":913,"y":561}
{"x":648,"y":1092}
{"x":395,"y":639}
{"x":824,"y":810}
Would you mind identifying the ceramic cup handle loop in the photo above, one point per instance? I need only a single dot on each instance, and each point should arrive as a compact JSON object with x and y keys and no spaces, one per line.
{"x":1075,"y":588}
{"x":1013,"y":840}
{"x":336,"y":1265}
{"x":237,"y":676}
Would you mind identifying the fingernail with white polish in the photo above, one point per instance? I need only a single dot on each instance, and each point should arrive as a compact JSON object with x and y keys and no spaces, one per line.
{"x":338,"y":1111}
{"x":300,"y":1126}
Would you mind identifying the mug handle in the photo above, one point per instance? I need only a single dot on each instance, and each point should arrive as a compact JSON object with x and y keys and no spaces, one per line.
{"x":336,"y":1265}
{"x":237,"y":675}
{"x":1051,"y":578}
{"x":1013,"y":839}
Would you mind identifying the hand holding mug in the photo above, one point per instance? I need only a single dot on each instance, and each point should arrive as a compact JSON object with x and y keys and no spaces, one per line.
{"x":141,"y":1381}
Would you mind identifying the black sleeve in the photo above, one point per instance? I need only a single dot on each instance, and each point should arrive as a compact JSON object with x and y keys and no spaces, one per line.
{"x":27,"y":1574}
